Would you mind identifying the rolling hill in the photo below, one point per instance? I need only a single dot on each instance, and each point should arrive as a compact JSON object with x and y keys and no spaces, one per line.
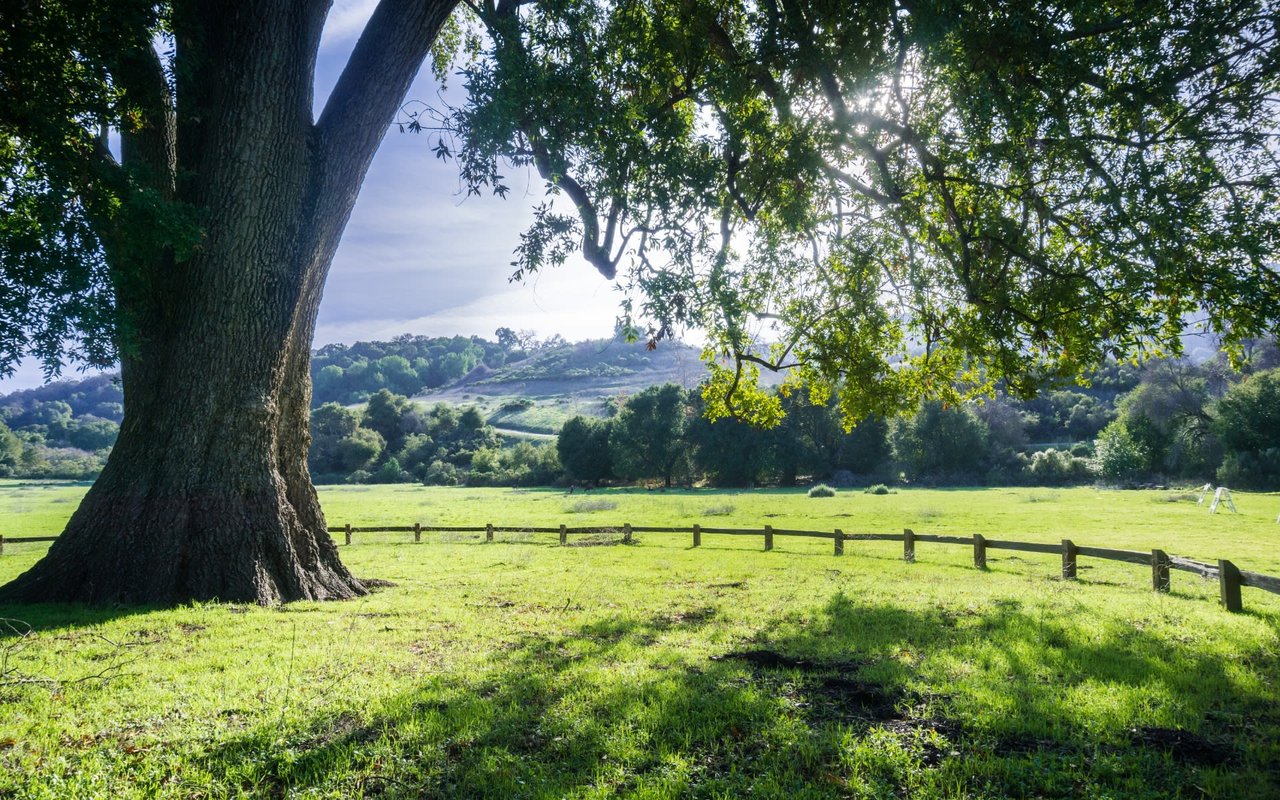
{"x":538,"y":394}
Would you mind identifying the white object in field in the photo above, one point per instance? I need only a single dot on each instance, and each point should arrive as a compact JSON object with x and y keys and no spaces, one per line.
{"x":1222,"y":494}
{"x":1204,"y":490}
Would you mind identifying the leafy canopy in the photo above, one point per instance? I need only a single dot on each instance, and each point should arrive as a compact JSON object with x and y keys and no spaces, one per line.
{"x":913,"y":199}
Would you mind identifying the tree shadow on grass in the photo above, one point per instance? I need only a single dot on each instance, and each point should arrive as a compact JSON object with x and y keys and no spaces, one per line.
{"x":855,"y":700}
{"x":43,"y":617}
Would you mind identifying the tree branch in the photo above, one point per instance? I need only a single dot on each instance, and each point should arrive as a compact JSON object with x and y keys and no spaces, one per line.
{"x":385,"y":61}
{"x":150,"y":148}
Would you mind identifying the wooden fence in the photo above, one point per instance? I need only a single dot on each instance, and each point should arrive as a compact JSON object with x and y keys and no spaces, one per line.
{"x":1230,"y":577}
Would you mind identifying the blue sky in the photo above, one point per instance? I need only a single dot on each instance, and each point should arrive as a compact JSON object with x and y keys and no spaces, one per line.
{"x":418,"y":258}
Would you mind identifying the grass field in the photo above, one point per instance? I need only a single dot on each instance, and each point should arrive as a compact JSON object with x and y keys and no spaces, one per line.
{"x":523,"y":669}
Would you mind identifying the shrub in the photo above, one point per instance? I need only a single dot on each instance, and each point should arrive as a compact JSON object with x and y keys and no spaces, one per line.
{"x":391,"y":472}
{"x":359,"y":476}
{"x":1056,"y":467}
{"x":441,"y":474}
{"x":822,"y":490}
{"x":879,"y":488}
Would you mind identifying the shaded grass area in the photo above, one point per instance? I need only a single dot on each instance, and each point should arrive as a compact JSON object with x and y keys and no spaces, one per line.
{"x":520,"y":669}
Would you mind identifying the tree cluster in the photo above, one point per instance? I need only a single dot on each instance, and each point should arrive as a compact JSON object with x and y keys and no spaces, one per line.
{"x":1163,"y":420}
{"x":393,"y":440}
{"x":407,"y":365}
{"x":1168,"y":420}
{"x":62,"y":430}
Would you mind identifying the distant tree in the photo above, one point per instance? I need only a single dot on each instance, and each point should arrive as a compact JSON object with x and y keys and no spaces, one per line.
{"x":1248,"y":425}
{"x":91,"y":433}
{"x":360,"y":450}
{"x":328,"y":384}
{"x":390,"y":472}
{"x":383,"y":414}
{"x":941,"y":442}
{"x":865,"y":449}
{"x":441,"y":473}
{"x":647,"y":436}
{"x":486,"y":461}
{"x":583,"y":448}
{"x":51,"y":417}
{"x":1006,"y":428}
{"x":399,"y":374}
{"x":417,"y":453}
{"x":330,"y":425}
{"x":728,"y":451}
{"x":1120,"y":456}
{"x":444,"y":419}
{"x":809,"y":437}
{"x":471,"y":419}
{"x":333,"y":420}
{"x":10,"y":451}
{"x":508,"y":338}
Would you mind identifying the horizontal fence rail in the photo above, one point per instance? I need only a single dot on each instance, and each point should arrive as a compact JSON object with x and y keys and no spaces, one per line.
{"x":1230,"y":577}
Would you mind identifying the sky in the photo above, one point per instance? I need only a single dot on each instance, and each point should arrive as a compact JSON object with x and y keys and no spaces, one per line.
{"x":418,"y":257}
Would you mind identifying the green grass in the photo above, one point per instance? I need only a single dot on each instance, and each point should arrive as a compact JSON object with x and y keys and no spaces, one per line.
{"x":546,"y":415}
{"x":522,"y":669}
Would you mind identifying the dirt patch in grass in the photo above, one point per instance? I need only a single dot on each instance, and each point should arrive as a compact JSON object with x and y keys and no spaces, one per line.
{"x":839,"y":696}
{"x":376,"y":584}
{"x":686,"y":617}
{"x":1184,"y":746}
{"x":771,"y":659}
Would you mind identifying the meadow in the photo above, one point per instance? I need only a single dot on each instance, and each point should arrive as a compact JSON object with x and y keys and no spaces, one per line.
{"x":524,"y":669}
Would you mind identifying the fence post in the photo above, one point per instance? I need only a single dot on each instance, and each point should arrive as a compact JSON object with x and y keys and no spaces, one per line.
{"x":488,"y":532}
{"x":908,"y":545}
{"x":626,"y":533}
{"x":417,"y":531}
{"x":348,"y":533}
{"x":979,"y":551}
{"x":1,"y":545}
{"x":1229,"y":584}
{"x":839,"y":539}
{"x":697,"y":535}
{"x":1160,"y":570}
{"x":1068,"y":560}
{"x":768,"y":537}
{"x":564,"y":537}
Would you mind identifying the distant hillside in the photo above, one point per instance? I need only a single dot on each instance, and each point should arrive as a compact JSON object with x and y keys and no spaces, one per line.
{"x":539,"y":393}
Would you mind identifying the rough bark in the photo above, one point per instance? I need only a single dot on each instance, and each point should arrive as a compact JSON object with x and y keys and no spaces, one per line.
{"x":207,"y":494}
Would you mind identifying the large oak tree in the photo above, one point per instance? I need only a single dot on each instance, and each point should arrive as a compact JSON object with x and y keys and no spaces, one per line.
{"x":912,"y":199}
{"x":198,"y":257}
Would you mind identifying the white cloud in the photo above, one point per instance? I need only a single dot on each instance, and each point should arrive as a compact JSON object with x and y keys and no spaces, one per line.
{"x":573,"y":301}
{"x":346,"y":20}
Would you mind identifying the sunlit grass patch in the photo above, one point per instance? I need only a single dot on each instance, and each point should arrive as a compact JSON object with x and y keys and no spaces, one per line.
{"x":523,"y":669}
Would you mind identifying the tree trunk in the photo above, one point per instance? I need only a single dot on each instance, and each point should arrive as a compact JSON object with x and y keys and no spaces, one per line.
{"x":207,"y":495}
